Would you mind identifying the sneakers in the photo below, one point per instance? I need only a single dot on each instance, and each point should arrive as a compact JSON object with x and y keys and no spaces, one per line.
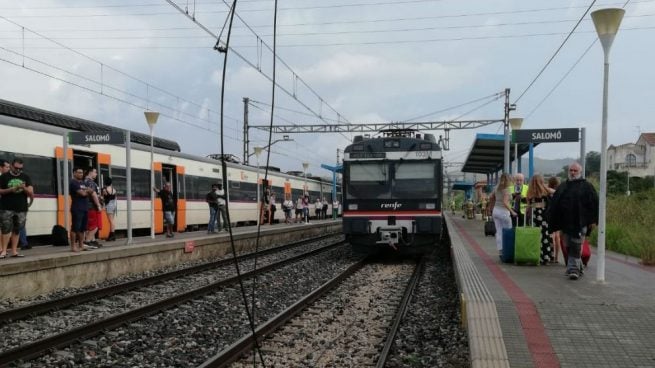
{"x":573,"y":275}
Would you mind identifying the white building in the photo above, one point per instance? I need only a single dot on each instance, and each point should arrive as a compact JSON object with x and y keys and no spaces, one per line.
{"x":637,"y":158}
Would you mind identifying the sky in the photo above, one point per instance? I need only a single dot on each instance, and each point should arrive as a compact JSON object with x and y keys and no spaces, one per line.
{"x":358,"y":61}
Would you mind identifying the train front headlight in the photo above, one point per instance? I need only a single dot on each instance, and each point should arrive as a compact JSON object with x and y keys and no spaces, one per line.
{"x":352,"y":207}
{"x":427,"y":206}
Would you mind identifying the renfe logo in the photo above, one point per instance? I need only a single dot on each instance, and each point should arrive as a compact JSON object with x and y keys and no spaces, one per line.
{"x":393,"y":206}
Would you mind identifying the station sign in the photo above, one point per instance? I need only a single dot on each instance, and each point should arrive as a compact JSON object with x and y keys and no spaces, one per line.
{"x":96,"y":138}
{"x":545,"y":135}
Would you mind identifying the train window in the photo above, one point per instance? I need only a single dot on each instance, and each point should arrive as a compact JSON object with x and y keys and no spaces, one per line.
{"x":245,"y":192}
{"x":368,"y":180}
{"x":141,"y":183}
{"x":415,"y":180}
{"x":42,"y":170}
{"x":119,"y":180}
{"x":373,"y":171}
{"x":197,"y":187}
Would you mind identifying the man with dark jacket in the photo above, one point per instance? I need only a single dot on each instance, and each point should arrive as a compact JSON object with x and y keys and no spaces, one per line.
{"x":574,"y":211}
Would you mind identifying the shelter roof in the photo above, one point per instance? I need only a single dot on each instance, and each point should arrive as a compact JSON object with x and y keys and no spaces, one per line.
{"x":487,"y":153}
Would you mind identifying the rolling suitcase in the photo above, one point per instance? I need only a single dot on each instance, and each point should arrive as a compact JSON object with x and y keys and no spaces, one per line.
{"x":585,"y":253}
{"x":489,"y":228}
{"x":507,"y":254}
{"x":527,"y":245}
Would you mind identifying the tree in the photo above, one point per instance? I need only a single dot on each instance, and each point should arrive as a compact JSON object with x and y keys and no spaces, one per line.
{"x":592,"y":163}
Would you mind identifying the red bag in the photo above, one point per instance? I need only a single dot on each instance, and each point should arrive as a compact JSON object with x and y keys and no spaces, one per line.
{"x":585,"y":253}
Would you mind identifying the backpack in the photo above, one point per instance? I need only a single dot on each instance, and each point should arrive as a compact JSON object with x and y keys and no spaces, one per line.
{"x":59,"y":236}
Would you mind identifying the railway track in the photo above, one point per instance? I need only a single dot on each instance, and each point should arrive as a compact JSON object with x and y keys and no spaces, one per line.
{"x":16,"y":319}
{"x":342,"y":323}
{"x":35,"y":309}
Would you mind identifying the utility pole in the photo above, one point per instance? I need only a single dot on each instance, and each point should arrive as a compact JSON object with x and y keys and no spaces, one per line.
{"x":246,"y":142}
{"x":506,"y":132}
{"x":338,"y":155}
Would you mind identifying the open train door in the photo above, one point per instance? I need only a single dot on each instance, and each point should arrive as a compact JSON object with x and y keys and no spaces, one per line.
{"x":59,"y":155}
{"x":104,"y":162}
{"x":159,"y":183}
{"x":181,"y":199}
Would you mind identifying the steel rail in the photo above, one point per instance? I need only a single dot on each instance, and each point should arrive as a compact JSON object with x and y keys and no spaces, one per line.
{"x":31,"y":310}
{"x":400,"y":313}
{"x":36,"y":348}
{"x":234,"y":351}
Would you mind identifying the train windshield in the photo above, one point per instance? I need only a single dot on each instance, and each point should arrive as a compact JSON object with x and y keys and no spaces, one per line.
{"x":399,"y":180}
{"x":414,"y":180}
{"x":368,"y":180}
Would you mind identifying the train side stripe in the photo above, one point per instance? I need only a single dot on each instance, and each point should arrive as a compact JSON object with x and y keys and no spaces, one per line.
{"x":390,"y":213}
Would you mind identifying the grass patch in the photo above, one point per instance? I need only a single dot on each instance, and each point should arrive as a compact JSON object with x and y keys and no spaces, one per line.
{"x":631,"y":225}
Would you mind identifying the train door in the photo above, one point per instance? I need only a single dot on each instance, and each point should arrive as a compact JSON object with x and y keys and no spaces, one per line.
{"x":175,"y":175}
{"x":59,"y":155}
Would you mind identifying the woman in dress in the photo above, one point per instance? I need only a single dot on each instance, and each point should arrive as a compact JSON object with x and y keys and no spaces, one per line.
{"x":111,"y":207}
{"x":553,"y":183}
{"x":538,"y":195}
{"x":502,"y":212}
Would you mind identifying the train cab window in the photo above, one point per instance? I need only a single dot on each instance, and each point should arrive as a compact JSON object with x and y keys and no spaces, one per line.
{"x":368,"y":180}
{"x":414,"y":180}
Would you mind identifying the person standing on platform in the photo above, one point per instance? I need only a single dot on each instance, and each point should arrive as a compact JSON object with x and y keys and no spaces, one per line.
{"x":538,"y":196}
{"x":325,"y":208}
{"x":519,"y":200}
{"x":287,"y":207}
{"x":553,"y":183}
{"x":222,"y":208}
{"x":318,"y":206}
{"x":79,"y":209}
{"x":212,"y":200}
{"x":574,"y":211}
{"x":94,"y":223}
{"x":272,"y":209}
{"x":503,"y":211}
{"x":15,"y":189}
{"x":111,"y":207}
{"x":299,"y":210}
{"x":305,"y":208}
{"x":168,"y":205}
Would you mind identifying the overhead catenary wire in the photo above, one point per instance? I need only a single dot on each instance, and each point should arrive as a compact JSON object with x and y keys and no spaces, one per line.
{"x":105,"y":65}
{"x":559,"y":82}
{"x":456,"y":106}
{"x":251,"y":318}
{"x":244,"y":59}
{"x":556,"y":52}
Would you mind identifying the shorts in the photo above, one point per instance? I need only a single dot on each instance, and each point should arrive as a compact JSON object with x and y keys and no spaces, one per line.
{"x":169,"y":217}
{"x":111,"y":207}
{"x":298,"y":211}
{"x":94,"y":220}
{"x":12,"y":221}
{"x":79,"y":221}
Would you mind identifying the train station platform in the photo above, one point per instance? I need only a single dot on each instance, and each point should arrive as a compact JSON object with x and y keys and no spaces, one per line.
{"x":46,"y":268}
{"x":526,"y":316}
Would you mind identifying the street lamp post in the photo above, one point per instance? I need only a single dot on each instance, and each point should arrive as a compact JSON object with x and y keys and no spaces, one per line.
{"x":305,"y":165}
{"x":516,"y":124}
{"x":151,"y":119}
{"x":285,"y":138}
{"x":258,"y":151}
{"x":607,"y":22}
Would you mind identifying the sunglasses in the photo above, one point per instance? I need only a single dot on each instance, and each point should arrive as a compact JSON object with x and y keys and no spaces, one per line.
{"x":17,"y":169}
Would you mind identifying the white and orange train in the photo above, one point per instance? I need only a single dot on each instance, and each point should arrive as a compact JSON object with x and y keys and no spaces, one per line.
{"x":36,"y":136}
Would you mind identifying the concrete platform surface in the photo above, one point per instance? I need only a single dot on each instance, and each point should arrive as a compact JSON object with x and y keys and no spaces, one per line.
{"x":548,"y":320}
